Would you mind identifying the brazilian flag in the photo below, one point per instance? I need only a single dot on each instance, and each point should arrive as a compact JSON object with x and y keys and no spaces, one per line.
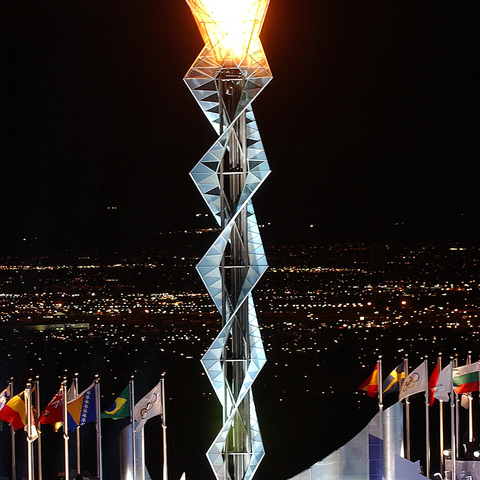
{"x":120,"y":407}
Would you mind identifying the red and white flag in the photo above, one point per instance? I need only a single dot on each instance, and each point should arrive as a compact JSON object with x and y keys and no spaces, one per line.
{"x":432,"y":385}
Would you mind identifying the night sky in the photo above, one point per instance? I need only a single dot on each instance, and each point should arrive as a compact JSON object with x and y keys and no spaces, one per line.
{"x":370,"y":124}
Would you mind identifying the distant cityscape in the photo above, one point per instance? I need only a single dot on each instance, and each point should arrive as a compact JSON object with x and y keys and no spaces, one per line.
{"x":343,"y":286}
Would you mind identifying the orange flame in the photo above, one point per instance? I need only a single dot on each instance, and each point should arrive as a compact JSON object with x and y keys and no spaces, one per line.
{"x":231,"y":28}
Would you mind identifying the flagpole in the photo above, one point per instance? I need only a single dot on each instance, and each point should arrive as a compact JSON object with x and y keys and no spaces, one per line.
{"x":452,"y":428}
{"x":98,"y":426}
{"x":440,"y":406}
{"x":28,"y":413}
{"x":164,"y":428}
{"x":12,"y":434}
{"x":39,"y":429}
{"x":379,"y":383}
{"x":65,"y":427}
{"x":143,"y":452}
{"x":407,"y":410}
{"x":427,"y":420}
{"x":77,"y":432}
{"x":380,"y":399}
{"x":132,"y":406}
{"x":470,"y":404}
{"x":457,"y":414}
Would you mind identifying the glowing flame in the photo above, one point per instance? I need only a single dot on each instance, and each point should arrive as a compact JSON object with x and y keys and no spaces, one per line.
{"x":229,"y":27}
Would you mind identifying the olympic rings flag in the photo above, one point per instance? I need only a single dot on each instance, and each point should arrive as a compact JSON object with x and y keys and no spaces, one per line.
{"x":149,"y":406}
{"x":416,"y":382}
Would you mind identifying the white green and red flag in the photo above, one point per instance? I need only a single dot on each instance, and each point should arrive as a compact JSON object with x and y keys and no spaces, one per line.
{"x":465,"y":378}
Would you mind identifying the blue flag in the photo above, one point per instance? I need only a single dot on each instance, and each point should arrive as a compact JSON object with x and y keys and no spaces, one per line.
{"x":82,"y":409}
{"x":393,"y":382}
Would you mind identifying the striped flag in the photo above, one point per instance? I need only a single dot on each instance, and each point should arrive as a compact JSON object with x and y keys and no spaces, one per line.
{"x":370,"y":385}
{"x":465,"y":378}
{"x":13,"y":411}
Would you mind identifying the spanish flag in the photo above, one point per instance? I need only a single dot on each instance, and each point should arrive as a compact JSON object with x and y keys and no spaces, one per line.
{"x":120,"y":407}
{"x":370,"y":385}
{"x":14,"y":411}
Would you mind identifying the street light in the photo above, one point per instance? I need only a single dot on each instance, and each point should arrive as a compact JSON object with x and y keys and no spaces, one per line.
{"x":225,"y":78}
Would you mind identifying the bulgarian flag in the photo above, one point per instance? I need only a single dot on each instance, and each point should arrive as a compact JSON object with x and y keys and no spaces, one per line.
{"x":370,"y":385}
{"x":465,"y":379}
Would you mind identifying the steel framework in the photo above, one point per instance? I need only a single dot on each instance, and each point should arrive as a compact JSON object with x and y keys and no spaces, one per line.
{"x":224,"y":79}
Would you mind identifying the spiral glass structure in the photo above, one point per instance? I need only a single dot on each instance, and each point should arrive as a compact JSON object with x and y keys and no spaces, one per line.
{"x":225,"y":78}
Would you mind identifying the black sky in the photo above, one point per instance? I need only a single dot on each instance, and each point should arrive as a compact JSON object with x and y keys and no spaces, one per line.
{"x":370,"y":123}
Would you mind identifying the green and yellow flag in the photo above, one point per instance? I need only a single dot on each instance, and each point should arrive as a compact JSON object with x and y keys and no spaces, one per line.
{"x":120,"y":407}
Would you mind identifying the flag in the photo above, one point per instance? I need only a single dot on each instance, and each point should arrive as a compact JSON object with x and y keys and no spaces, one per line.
{"x":465,"y":400}
{"x":465,"y":378}
{"x":30,"y":427}
{"x":394,"y":380}
{"x":53,"y":412}
{"x":370,"y":385}
{"x":465,"y":397}
{"x":13,"y":411}
{"x":416,"y":382}
{"x":149,"y":406}
{"x":432,"y":385}
{"x":82,"y":409}
{"x":4,"y":397}
{"x":120,"y":407}
{"x":444,"y":384}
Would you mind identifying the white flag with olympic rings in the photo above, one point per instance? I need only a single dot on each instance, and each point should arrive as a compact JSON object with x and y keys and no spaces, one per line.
{"x":416,"y":382}
{"x":149,"y":406}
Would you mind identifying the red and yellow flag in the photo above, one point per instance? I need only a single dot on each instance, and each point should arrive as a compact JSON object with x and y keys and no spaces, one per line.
{"x":370,"y":385}
{"x":14,"y":411}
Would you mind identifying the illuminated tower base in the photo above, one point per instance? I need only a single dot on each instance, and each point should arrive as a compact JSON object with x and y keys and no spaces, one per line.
{"x":226,"y":77}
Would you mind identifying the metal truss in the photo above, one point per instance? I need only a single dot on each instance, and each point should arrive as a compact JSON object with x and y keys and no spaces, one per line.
{"x":225,"y":83}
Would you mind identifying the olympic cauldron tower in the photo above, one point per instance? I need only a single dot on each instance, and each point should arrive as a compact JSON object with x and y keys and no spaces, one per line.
{"x":226,"y":77}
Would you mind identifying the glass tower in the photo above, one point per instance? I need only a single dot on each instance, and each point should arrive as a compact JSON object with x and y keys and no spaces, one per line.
{"x":225,"y":78}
